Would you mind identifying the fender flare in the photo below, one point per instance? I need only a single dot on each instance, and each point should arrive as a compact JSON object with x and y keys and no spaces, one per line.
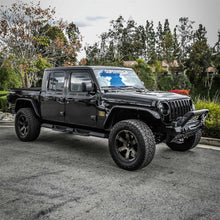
{"x":154,"y":114}
{"x":33,"y":104}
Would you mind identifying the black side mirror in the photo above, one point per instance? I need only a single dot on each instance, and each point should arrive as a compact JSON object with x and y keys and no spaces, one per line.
{"x":87,"y":87}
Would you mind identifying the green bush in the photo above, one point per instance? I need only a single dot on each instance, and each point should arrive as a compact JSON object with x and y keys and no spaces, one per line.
{"x":3,"y":103}
{"x":3,"y":93}
{"x":146,"y":74}
{"x":9,"y":79}
{"x":165,"y":83}
{"x":181,"y":81}
{"x":173,"y":81}
{"x":212,"y":127}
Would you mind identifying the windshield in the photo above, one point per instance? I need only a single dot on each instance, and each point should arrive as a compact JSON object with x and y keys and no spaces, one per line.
{"x":118,"y":78}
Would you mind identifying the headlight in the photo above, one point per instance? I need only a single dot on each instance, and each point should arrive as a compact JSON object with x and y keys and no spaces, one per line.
{"x":163,"y":107}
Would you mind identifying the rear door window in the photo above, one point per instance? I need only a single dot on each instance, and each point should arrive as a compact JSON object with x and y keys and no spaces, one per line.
{"x":56,"y":81}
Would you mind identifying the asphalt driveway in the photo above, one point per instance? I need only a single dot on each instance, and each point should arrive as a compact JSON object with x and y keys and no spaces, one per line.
{"x":61,"y":176}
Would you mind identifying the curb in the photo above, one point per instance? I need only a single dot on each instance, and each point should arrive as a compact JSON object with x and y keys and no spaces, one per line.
{"x":210,"y":141}
{"x":6,"y":123}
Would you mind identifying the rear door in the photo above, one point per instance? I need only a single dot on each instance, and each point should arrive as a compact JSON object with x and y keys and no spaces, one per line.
{"x":80,"y":106}
{"x":53,"y":99}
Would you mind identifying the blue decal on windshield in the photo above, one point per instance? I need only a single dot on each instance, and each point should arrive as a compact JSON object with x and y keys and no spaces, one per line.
{"x":116,"y":80}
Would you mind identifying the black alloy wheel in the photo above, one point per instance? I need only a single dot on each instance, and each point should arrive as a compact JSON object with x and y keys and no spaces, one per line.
{"x":126,"y":145}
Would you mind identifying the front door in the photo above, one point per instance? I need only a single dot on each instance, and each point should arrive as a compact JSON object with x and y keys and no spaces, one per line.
{"x":53,"y":99}
{"x":80,"y":106}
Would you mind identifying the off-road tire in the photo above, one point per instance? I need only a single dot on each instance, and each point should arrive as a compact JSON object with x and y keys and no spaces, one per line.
{"x":145,"y":145}
{"x":27,"y":125}
{"x":189,"y":143}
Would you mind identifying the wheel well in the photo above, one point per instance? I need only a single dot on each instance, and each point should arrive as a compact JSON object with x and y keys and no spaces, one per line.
{"x":124,"y":114}
{"x":25,"y":104}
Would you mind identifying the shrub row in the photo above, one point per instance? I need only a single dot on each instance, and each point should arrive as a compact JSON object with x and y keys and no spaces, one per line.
{"x":3,"y":93}
{"x":212,"y":127}
{"x":3,"y":103}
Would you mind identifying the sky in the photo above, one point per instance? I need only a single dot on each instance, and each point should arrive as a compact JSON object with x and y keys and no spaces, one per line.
{"x":93,"y":16}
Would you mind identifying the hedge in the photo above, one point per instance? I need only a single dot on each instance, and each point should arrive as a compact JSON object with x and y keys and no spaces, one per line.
{"x":3,"y":103}
{"x":3,"y":93}
{"x":212,"y":127}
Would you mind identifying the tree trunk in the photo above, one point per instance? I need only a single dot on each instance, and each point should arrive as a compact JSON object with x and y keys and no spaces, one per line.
{"x":26,"y":81}
{"x":22,"y":78}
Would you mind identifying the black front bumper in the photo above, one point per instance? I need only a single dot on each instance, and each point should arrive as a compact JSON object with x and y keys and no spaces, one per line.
{"x":187,"y":125}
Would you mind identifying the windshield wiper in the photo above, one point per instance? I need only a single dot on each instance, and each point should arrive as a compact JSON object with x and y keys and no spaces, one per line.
{"x":138,"y":89}
{"x":110,"y":87}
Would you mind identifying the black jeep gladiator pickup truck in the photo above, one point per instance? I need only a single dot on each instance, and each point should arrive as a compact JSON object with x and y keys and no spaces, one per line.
{"x":108,"y":102}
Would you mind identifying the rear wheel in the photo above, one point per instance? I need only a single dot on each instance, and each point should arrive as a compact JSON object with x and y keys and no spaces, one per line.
{"x":187,"y":143}
{"x":131,"y":144}
{"x":27,"y":125}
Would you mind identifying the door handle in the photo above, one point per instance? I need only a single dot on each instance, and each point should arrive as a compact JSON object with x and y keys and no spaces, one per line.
{"x":92,"y":101}
{"x":61,"y":100}
{"x":68,"y":100}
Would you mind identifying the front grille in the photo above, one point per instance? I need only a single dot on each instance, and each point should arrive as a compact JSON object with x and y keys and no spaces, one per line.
{"x":179,"y":108}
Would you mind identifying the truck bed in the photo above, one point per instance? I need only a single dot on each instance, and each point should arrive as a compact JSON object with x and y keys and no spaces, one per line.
{"x":23,"y":93}
{"x":34,"y":91}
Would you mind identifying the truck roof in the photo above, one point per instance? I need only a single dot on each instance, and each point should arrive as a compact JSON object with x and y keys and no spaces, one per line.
{"x":86,"y":67}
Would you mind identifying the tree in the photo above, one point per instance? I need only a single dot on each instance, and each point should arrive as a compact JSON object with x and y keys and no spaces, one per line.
{"x":159,"y":40}
{"x":216,"y":54}
{"x":145,"y":73}
{"x":151,"y":55}
{"x":199,"y":57}
{"x":8,"y":78}
{"x":27,"y":31}
{"x":167,"y":42}
{"x":123,"y":41}
{"x":93,"y":54}
{"x":175,"y":47}
{"x":185,"y":35}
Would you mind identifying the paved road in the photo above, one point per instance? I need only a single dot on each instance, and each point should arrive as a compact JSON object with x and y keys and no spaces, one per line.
{"x":61,"y":176}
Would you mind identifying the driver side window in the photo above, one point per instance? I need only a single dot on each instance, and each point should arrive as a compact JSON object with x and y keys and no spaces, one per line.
{"x":76,"y":80}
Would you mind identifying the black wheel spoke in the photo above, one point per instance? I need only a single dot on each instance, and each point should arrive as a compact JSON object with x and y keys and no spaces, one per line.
{"x":21,"y":123}
{"x":133,"y":142}
{"x":123,"y":148}
{"x":127,"y":155}
{"x":133,"y":153}
{"x":121,"y":139}
{"x":22,"y":128}
{"x":127,"y":136}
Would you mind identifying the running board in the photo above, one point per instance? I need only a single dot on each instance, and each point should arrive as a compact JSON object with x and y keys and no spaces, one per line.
{"x":74,"y":131}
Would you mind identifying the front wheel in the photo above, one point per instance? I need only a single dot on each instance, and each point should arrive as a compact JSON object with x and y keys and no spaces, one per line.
{"x":187,"y":143}
{"x":27,"y":125}
{"x":131,"y":144}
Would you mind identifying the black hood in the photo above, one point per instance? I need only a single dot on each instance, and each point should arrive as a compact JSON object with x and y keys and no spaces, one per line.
{"x":143,"y":97}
